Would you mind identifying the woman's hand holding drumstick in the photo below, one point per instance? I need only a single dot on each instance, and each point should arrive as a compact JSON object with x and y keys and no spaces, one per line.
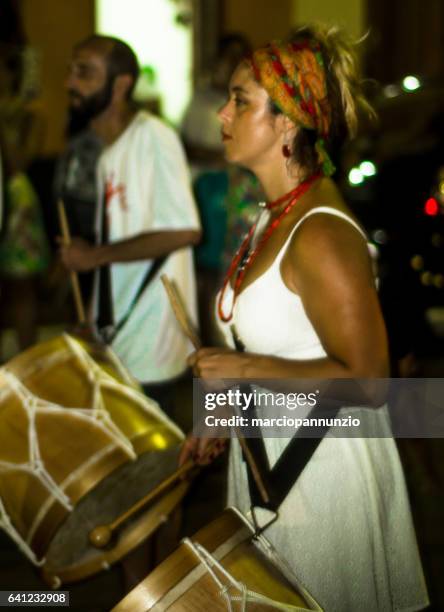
{"x":101,"y":535}
{"x":200,"y":450}
{"x":196,"y":451}
{"x":198,"y":446}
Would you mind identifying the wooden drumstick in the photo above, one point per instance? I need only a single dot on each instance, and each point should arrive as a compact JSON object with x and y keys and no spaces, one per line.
{"x":180,"y":312}
{"x":64,"y":227}
{"x":253,"y":466}
{"x":187,"y":329}
{"x":101,"y":535}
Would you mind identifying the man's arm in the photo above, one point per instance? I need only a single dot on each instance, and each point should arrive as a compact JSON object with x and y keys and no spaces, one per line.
{"x":82,"y":256}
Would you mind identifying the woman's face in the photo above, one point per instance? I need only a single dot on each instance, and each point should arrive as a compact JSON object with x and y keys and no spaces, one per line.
{"x":251,"y":134}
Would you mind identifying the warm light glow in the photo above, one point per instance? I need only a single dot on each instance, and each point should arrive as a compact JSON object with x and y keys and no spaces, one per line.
{"x":438,"y":281}
{"x":150,"y":27}
{"x":367,"y":168}
{"x":355,"y":176}
{"x":158,"y":441}
{"x":436,"y":240}
{"x":427,"y":278}
{"x":410,"y":83}
{"x":417,"y":262}
{"x":431,"y":207}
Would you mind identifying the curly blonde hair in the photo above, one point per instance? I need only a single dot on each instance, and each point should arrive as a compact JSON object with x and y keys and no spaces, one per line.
{"x":344,"y":90}
{"x":343,"y":74}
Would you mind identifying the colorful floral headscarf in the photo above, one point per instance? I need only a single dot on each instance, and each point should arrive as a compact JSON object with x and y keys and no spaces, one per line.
{"x":294,"y":77}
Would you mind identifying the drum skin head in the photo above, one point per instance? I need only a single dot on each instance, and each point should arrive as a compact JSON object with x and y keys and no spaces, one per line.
{"x":70,"y":546}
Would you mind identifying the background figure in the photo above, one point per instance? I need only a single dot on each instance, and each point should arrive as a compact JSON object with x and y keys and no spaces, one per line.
{"x":24,"y":250}
{"x":146,"y":218}
{"x":201,"y":135}
{"x":146,"y":225}
{"x":200,"y":129}
{"x":243,"y":197}
{"x":300,"y":296}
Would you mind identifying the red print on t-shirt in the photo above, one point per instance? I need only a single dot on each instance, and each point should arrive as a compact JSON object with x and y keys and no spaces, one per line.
{"x":112,"y":189}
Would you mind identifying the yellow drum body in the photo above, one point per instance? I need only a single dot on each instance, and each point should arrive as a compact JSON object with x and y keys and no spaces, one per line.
{"x":218,"y":569}
{"x":78,"y":447}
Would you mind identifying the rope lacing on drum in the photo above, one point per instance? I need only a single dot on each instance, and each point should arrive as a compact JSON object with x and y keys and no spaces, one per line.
{"x":242,"y":595}
{"x":32,"y":405}
{"x":95,"y":415}
{"x":99,"y":379}
{"x":6,"y":525}
{"x":103,"y":380}
{"x":34,"y":465}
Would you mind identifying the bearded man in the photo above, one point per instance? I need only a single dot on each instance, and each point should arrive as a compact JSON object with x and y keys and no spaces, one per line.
{"x":145,"y":217}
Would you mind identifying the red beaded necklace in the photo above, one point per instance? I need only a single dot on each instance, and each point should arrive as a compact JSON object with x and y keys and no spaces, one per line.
{"x":243,"y":260}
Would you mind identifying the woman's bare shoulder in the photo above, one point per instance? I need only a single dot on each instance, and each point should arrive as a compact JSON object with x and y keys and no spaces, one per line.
{"x":327,"y":244}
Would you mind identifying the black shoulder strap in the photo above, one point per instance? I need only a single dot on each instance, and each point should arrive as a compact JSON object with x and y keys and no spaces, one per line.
{"x":105,"y":314}
{"x":110,"y":331}
{"x":150,"y":274}
{"x":298,"y":453}
{"x":281,"y":478}
{"x":105,"y":318}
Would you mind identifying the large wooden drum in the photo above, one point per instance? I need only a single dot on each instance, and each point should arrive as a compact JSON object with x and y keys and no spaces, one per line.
{"x":79,"y":446}
{"x":223,"y":567}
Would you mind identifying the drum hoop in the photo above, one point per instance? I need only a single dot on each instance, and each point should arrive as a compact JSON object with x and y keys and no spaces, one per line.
{"x":135,"y":534}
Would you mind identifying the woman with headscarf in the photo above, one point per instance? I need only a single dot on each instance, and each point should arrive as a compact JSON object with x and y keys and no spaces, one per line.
{"x":300,"y":296}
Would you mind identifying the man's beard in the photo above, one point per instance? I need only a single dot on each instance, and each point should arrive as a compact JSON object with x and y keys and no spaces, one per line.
{"x":91,"y":106}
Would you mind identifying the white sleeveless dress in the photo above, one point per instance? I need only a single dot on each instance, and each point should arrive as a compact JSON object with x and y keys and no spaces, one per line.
{"x":345,"y":528}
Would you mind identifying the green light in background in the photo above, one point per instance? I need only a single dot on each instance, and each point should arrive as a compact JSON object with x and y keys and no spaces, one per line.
{"x":355,"y":176}
{"x":367,"y":168}
{"x":410,"y":83}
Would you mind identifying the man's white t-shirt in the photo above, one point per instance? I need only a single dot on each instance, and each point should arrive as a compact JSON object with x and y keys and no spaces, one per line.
{"x":144,"y":182}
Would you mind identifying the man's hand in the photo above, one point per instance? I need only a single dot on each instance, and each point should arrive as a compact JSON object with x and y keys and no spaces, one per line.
{"x":79,"y":255}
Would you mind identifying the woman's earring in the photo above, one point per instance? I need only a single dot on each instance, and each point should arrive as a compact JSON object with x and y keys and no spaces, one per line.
{"x":286,"y":150}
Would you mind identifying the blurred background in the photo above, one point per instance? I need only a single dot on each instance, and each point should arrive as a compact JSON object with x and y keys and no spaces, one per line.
{"x":392,"y":174}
